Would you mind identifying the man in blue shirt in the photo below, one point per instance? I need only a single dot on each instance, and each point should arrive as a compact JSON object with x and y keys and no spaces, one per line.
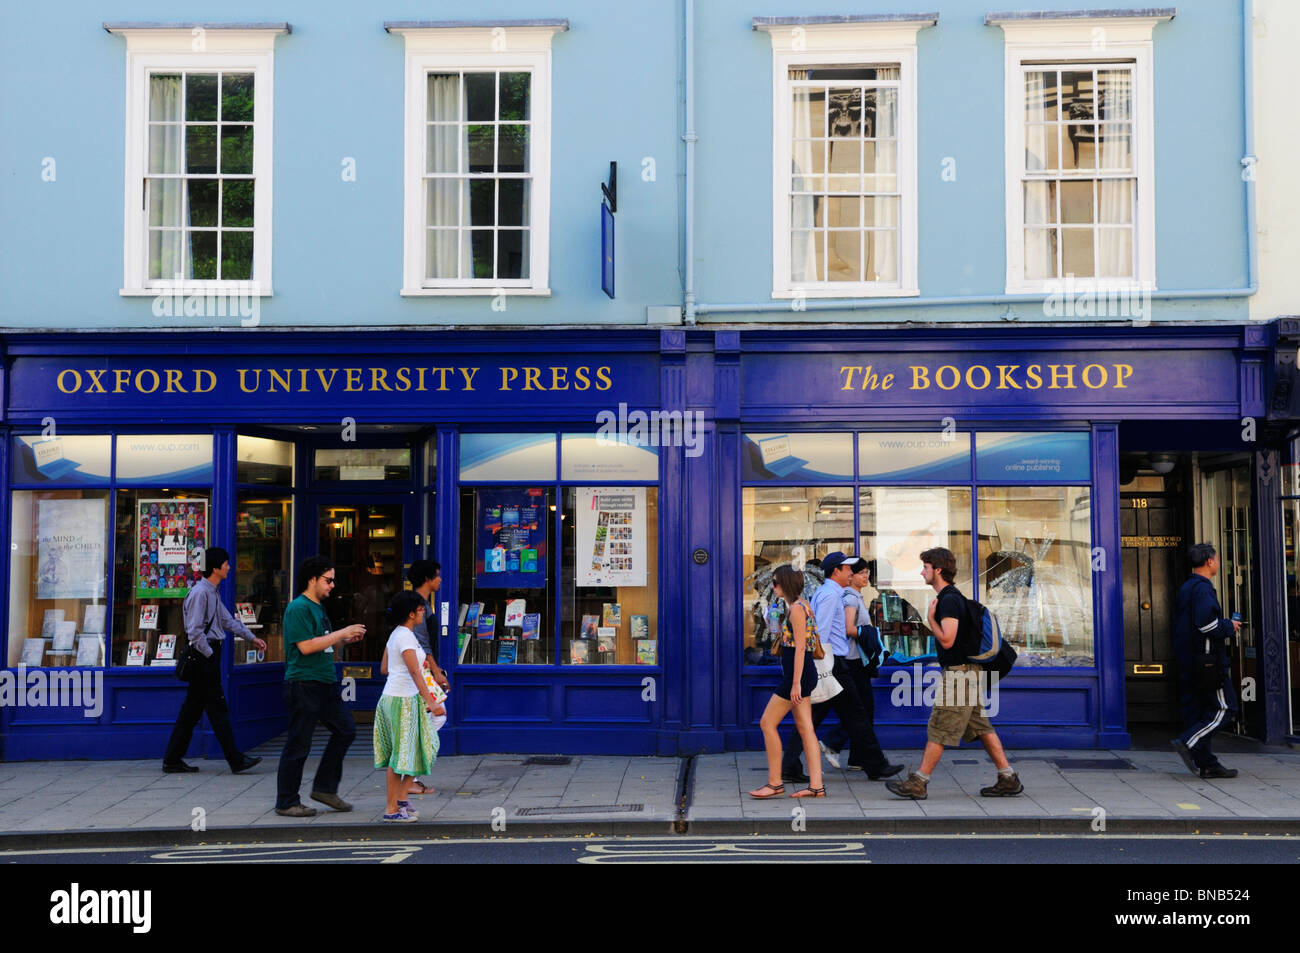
{"x":864,"y":749}
{"x":1201,"y":636}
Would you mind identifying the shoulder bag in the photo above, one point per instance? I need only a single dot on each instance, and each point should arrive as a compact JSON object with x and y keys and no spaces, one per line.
{"x":188,"y":665}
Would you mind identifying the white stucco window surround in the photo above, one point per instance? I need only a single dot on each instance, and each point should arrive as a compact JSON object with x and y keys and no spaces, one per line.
{"x":844,"y":154}
{"x":197,"y":207}
{"x":1080,"y":149}
{"x":477,"y":176}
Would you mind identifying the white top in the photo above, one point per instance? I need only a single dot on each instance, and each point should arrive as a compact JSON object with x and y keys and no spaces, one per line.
{"x":399,"y":676}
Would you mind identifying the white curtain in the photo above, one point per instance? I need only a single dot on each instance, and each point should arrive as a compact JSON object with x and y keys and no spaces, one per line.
{"x":1040,"y":197}
{"x":1115,"y":203}
{"x":882,"y":259}
{"x":167,"y":257}
{"x":447,"y":147}
{"x":803,"y":249}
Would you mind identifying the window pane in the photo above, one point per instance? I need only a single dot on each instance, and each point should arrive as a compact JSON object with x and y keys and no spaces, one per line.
{"x":68,"y":459}
{"x":882,"y":255}
{"x":58,"y":577}
{"x":165,"y":98}
{"x":1040,"y":252}
{"x":237,"y":97}
{"x":482,"y":251}
{"x":167,"y":254}
{"x":165,"y":202}
{"x":782,"y":526}
{"x":913,"y":456}
{"x":202,"y":201}
{"x":1035,"y":549}
{"x":1077,"y":95}
{"x":1115,"y":253}
{"x":610,"y":588}
{"x":1117,"y":146}
{"x":262,"y":460}
{"x":512,"y":201}
{"x":1035,"y":457}
{"x":1080,"y":147}
{"x":1041,"y":153}
{"x":441,"y":251}
{"x":844,"y":160}
{"x":513,"y":148}
{"x":1115,"y":95}
{"x":201,"y":97}
{"x":844,"y":112}
{"x":506,"y":593}
{"x":512,"y":253}
{"x":446,"y":149}
{"x":1077,"y":252}
{"x":793,"y":456}
{"x":201,"y":149}
{"x":362,"y":463}
{"x":263,"y":557}
{"x":842,"y":212}
{"x":880,"y":114}
{"x":1076,"y":202}
{"x":482,"y":155}
{"x":165,"y":149}
{"x":480,"y":96}
{"x":897,"y":524}
{"x":844,"y":256}
{"x":443,"y":97}
{"x":1040,"y":96}
{"x":203,"y":254}
{"x":507,"y":456}
{"x":881,"y":159}
{"x":482,"y":202}
{"x":163,"y":457}
{"x":237,"y":150}
{"x":1115,"y":204}
{"x":444,"y":203}
{"x":159,"y":542}
{"x":236,"y":256}
{"x":514,"y":95}
{"x":1040,"y":203}
{"x":805,"y":253}
{"x":237,"y":204}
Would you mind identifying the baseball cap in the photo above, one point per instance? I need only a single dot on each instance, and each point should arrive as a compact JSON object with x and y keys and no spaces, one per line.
{"x":833,"y":561}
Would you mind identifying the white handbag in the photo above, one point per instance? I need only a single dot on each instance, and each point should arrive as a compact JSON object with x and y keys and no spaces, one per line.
{"x":828,"y":685}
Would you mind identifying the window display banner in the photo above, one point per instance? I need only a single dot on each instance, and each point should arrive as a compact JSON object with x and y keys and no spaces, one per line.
{"x":797,"y":456}
{"x":1031,"y":457}
{"x":70,"y":540}
{"x":511,"y":538}
{"x":172,"y":534}
{"x":611,"y":529}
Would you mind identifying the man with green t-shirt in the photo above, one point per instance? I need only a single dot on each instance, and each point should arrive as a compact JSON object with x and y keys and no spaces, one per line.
{"x":312,"y":693}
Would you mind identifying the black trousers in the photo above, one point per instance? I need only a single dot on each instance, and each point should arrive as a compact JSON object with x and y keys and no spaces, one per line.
{"x":309,"y":703}
{"x":854,"y":714}
{"x":204,"y":696}
{"x":1204,"y":713}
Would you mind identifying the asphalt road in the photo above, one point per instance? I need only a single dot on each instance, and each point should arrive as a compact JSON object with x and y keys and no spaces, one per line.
{"x":808,"y":848}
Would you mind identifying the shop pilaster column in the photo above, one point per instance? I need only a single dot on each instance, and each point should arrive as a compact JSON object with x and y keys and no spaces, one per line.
{"x":1270,"y":643}
{"x":1108,"y":597}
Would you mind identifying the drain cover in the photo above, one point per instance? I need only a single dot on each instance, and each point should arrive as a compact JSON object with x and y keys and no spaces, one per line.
{"x":1092,"y":764}
{"x":583,"y":809}
{"x":548,"y":759}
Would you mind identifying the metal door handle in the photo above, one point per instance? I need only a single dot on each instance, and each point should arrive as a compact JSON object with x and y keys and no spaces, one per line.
{"x":1146,"y":606}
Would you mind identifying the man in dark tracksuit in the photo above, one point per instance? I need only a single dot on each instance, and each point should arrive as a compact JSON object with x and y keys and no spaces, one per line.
{"x":1200,"y":630}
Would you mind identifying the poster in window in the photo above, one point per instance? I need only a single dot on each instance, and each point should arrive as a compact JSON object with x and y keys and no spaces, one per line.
{"x":172,"y":535}
{"x":909,"y":520}
{"x":611,"y":536}
{"x":70,"y":541}
{"x":511,"y":538}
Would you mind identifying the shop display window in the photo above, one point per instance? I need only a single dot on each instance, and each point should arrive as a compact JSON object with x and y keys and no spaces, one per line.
{"x":786,"y":526}
{"x":610,"y":585}
{"x":160,"y":536}
{"x":360,"y":463}
{"x":263,"y":561}
{"x":58,"y":578}
{"x":1035,"y":553}
{"x":261,"y":460}
{"x":507,"y":593}
{"x":164,"y":459}
{"x":897,"y":524}
{"x":64,"y":460}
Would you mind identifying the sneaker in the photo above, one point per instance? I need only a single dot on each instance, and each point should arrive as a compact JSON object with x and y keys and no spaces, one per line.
{"x":832,"y":757}
{"x":401,"y":817}
{"x":406,"y":806}
{"x":1185,"y":753}
{"x":1218,"y":771}
{"x":1005,"y":787}
{"x":913,"y":787}
{"x":296,"y":810}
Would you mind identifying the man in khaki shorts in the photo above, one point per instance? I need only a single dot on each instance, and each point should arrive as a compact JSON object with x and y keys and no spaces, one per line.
{"x":958,"y":714}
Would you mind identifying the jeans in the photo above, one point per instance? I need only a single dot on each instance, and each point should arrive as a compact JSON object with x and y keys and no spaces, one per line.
{"x":856,"y":717}
{"x":308,"y":703}
{"x":204,"y":695}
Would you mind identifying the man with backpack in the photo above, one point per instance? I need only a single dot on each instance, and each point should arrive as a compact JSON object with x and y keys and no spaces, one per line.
{"x":958,"y":714}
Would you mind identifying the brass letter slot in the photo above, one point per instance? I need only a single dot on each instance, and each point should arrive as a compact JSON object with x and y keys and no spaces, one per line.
{"x":1148,"y":670}
{"x":356,"y":671}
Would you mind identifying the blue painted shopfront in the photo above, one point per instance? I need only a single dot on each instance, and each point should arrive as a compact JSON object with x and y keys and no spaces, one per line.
{"x":764,"y":397}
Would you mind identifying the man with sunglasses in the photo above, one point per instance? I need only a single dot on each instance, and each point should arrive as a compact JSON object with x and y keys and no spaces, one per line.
{"x":312,"y":693}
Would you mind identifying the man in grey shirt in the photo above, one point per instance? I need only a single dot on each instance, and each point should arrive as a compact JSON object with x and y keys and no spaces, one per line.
{"x":207,"y":621}
{"x":426,"y":579}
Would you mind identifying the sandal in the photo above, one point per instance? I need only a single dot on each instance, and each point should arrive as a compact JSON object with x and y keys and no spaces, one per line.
{"x":776,"y":789}
{"x":810,"y":792}
{"x":421,"y":788}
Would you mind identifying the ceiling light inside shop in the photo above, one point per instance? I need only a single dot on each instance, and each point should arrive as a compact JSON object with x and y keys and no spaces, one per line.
{"x":785,"y":509}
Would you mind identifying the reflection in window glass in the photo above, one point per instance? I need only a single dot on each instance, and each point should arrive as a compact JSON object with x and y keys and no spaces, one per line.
{"x":897,"y":524}
{"x":1035,"y":548}
{"x":263,"y":555}
{"x":786,"y":525}
{"x":262,"y":460}
{"x":158,"y":535}
{"x":506,"y":595}
{"x":360,"y":463}
{"x":611,"y":580}
{"x":58,"y":578}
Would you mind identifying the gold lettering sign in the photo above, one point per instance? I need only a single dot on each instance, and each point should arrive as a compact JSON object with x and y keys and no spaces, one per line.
{"x":991,"y":377}
{"x":1150,"y":542}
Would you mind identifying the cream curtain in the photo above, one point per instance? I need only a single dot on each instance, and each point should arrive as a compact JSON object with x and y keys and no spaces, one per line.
{"x":1040,"y":202}
{"x":167,"y":249}
{"x":447,"y":148}
{"x":1115,"y":201}
{"x":882,"y":258}
{"x":803,"y":209}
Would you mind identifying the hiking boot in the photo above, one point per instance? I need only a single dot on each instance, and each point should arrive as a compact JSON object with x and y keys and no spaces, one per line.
{"x":1005,"y":787}
{"x":913,"y":787}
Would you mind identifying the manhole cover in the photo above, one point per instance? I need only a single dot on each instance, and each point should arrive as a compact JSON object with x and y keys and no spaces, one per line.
{"x":548,"y":759}
{"x":1092,"y":764}
{"x":582,"y":809}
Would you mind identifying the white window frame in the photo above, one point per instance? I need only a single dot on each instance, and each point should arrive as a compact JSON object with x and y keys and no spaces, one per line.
{"x":832,"y":44}
{"x":196,"y":48}
{"x":448,"y":49}
{"x":1096,"y":42}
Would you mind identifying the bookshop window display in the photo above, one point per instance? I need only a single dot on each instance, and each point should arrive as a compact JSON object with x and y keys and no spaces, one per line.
{"x":606,"y":611}
{"x":1025,"y":542}
{"x":263,"y":543}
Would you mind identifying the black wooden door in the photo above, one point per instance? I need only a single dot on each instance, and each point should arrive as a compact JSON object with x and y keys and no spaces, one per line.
{"x":1152,"y":556}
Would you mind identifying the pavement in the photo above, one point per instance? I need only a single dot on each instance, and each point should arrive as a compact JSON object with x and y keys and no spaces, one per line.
{"x":59,"y":803}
